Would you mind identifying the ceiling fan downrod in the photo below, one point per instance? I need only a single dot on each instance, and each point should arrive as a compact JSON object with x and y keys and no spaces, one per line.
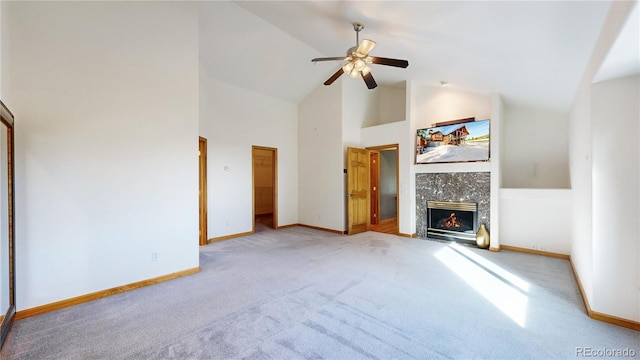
{"x":357,"y":26}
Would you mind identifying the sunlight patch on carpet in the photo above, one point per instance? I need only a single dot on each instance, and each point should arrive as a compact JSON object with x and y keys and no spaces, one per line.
{"x":503,"y":289}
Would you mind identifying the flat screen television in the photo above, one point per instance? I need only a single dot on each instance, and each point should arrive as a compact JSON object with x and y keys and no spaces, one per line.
{"x":462,"y":142}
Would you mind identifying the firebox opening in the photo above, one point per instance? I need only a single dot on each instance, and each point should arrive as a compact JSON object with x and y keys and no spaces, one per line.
{"x":448,"y":220}
{"x":452,"y":220}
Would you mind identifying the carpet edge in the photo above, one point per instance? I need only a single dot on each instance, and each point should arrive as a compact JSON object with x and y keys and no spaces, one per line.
{"x":38,"y":310}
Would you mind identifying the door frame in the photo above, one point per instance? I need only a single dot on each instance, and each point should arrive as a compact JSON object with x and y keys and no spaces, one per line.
{"x":274,"y":177}
{"x":395,"y":147}
{"x":202,"y":191}
{"x":374,"y":186}
{"x":6,"y":322}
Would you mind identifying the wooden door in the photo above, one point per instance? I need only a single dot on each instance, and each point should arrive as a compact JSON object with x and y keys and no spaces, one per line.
{"x":202,"y":193}
{"x":357,"y":190}
{"x":374,"y":186}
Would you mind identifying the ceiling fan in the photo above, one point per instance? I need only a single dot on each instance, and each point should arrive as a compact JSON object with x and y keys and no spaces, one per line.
{"x":357,"y":59}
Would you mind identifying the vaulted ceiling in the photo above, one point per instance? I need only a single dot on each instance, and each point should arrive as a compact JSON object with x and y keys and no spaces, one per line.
{"x":532,"y":52}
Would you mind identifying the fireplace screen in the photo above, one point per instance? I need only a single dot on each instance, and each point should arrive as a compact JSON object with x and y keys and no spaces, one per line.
{"x":450,"y":220}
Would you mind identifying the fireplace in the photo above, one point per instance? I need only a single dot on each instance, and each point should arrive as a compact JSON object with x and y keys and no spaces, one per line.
{"x":470,"y":187}
{"x":450,"y":220}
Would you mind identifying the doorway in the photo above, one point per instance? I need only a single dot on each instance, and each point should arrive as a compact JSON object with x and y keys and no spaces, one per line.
{"x":202,"y":191}
{"x":265,"y":187}
{"x":383,"y":163}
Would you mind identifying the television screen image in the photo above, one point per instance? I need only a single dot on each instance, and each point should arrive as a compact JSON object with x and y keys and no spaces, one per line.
{"x":463,"y":142}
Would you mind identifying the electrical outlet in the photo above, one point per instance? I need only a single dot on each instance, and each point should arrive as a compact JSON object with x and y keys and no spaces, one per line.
{"x":541,"y":248}
{"x":154,"y":256}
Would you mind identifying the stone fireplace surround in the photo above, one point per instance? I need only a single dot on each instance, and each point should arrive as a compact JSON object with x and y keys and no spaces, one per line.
{"x":457,"y":186}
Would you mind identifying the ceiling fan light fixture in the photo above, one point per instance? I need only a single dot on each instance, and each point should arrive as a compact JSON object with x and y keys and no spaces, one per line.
{"x":365,"y":46}
{"x":365,"y":70}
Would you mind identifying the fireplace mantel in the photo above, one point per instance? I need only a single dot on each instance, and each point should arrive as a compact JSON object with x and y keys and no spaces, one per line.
{"x":477,"y":166}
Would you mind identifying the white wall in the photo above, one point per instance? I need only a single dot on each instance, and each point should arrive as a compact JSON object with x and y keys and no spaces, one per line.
{"x":4,"y":266}
{"x":580,"y":169}
{"x":396,"y":133}
{"x":106,"y":103}
{"x":615,"y":113}
{"x":586,"y":260}
{"x":538,"y":149}
{"x":359,"y":107}
{"x":370,"y":101}
{"x":437,"y":104}
{"x":382,"y":105}
{"x":345,"y":113}
{"x":232,"y":119}
{"x":4,"y":49}
{"x":538,"y":219}
{"x":497,"y":151}
{"x":321,"y":196}
{"x":392,"y":104}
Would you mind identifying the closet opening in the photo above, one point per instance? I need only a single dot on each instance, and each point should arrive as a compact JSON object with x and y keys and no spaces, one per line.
{"x":265,"y":185}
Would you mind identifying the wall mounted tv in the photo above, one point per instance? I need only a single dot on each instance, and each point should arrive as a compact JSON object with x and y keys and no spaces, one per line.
{"x":459,"y":142}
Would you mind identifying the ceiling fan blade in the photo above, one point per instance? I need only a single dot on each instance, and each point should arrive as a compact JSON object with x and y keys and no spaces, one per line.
{"x":329,"y":58}
{"x":365,"y":46}
{"x":368,"y":79}
{"x":390,"y":62}
{"x":334,"y":77}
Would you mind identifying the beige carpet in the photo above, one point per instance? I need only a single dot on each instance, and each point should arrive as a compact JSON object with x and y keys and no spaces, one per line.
{"x":299,"y":293}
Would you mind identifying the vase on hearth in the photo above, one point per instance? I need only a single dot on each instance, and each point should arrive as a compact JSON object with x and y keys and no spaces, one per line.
{"x":482,"y":237}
